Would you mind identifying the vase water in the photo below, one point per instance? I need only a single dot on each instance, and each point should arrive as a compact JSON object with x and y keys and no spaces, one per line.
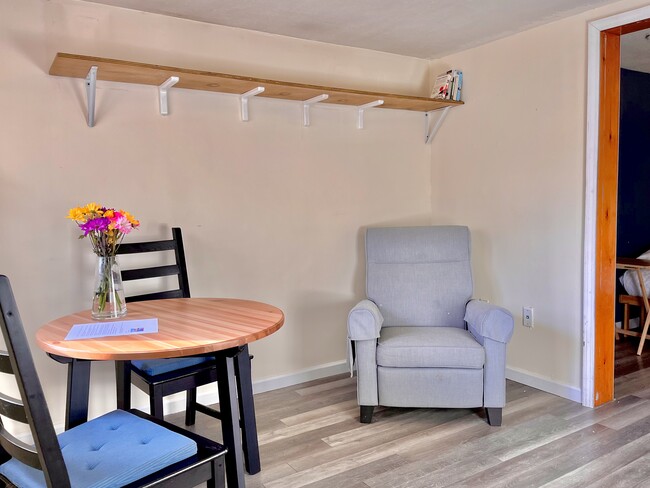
{"x":108,"y":297}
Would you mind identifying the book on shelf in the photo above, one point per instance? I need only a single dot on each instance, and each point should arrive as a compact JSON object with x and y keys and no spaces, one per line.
{"x":448,"y":86}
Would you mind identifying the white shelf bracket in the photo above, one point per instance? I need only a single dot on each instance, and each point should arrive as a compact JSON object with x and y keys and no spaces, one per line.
{"x":243,"y":98}
{"x":91,"y":85}
{"x":162,"y":93}
{"x":307,"y":104}
{"x":431,"y":129}
{"x":362,"y":108}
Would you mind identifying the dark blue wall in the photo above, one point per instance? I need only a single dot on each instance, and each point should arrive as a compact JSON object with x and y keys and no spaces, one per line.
{"x":633,"y":231}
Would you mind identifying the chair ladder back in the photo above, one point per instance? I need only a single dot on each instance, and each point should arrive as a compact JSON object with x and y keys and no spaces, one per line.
{"x":179,"y":269}
{"x":183,"y":280}
{"x":46,"y":453}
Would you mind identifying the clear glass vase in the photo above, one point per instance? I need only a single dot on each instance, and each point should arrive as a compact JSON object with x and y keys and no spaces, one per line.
{"x":108,"y":297}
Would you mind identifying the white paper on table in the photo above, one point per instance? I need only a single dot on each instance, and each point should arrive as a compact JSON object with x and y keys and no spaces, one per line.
{"x":108,"y":329}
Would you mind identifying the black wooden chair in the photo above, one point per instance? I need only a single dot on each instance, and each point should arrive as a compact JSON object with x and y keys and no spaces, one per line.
{"x":126,"y":449}
{"x":162,"y":377}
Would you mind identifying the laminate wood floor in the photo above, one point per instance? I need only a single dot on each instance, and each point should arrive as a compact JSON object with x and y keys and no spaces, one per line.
{"x":310,"y":436}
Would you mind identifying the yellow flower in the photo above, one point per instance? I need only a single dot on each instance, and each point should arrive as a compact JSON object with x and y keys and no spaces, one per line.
{"x":132,"y":220}
{"x":109,"y":214}
{"x":92,"y":208}
{"x":77,"y":213}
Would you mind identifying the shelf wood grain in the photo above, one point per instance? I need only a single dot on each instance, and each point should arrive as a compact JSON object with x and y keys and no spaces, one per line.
{"x":77,"y":66}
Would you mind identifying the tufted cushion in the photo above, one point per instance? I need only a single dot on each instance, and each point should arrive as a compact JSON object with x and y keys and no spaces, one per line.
{"x":109,"y":452}
{"x":154,"y":367}
{"x":429,"y":347}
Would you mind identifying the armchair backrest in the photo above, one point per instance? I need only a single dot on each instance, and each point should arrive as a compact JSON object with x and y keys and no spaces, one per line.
{"x":419,"y":276}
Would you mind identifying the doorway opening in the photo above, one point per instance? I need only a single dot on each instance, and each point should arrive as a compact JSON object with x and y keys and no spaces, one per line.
{"x":603,"y":91}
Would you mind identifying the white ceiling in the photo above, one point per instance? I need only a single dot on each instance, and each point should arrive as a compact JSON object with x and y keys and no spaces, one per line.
{"x":635,"y":51}
{"x":426,"y":29}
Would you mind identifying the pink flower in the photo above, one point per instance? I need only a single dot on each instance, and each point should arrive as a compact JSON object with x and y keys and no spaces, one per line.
{"x":122,"y":224}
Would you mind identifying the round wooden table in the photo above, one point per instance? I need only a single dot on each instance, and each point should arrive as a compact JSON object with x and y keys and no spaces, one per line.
{"x":186,"y":327}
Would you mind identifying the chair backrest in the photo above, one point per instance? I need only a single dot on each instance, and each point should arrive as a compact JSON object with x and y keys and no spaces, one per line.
{"x":179,"y":269}
{"x":31,"y":408}
{"x":419,"y":276}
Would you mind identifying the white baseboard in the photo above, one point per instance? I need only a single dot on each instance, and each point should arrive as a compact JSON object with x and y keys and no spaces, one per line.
{"x":310,"y":374}
{"x":544,"y":384}
{"x":176,"y":403}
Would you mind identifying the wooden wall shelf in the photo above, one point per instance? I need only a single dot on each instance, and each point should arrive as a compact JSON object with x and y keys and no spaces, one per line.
{"x":78,"y":66}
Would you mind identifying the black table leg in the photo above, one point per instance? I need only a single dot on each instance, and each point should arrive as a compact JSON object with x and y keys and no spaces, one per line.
{"x":76,"y":408}
{"x":78,"y":393}
{"x":247,"y":411}
{"x":227,"y":387}
{"x":123,"y":384}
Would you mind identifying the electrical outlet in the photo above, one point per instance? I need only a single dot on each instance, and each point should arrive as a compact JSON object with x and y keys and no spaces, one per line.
{"x":528,"y":317}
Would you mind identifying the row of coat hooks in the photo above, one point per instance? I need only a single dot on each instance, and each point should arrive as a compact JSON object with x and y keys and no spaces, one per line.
{"x":163,"y":97}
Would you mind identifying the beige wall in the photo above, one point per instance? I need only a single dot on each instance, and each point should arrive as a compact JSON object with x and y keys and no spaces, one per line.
{"x":510,"y":164}
{"x":270,"y":210}
{"x":274,"y":211}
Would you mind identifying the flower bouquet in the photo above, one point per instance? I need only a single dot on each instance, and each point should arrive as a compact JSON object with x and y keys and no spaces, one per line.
{"x":105,"y":227}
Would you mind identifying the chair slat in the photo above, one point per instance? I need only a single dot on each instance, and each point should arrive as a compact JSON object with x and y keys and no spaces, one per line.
{"x":12,"y":408}
{"x":5,"y":363}
{"x":207,"y":465}
{"x":153,"y":246}
{"x":25,"y":453}
{"x":50,"y":458}
{"x":156,"y":296}
{"x":155,"y":272}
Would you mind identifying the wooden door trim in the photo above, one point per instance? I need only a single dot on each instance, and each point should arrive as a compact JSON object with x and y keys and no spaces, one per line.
{"x":606,"y":209}
{"x":599,"y":252}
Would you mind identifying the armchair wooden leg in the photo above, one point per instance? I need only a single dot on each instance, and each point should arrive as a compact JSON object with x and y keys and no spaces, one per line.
{"x":365,"y":416}
{"x":493,"y":416}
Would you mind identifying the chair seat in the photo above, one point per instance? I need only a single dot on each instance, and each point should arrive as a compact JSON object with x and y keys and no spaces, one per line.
{"x":154,"y":367}
{"x":109,"y":451}
{"x":429,"y":347}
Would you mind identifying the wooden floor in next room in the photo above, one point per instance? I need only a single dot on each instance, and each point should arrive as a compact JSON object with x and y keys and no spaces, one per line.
{"x":310,"y":436}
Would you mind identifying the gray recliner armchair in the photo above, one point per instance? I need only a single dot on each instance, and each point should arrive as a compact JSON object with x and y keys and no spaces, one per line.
{"x":419,"y":339}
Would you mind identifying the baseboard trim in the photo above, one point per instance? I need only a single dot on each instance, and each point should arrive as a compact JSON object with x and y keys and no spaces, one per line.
{"x":544,"y":384}
{"x":177,"y":402}
{"x":310,"y":374}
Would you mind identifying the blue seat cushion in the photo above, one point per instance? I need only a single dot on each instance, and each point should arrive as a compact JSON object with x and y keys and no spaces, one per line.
{"x":155,"y":367}
{"x":109,"y":452}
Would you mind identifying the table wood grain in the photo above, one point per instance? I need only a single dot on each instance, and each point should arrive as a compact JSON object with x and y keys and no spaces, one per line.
{"x":186,"y":327}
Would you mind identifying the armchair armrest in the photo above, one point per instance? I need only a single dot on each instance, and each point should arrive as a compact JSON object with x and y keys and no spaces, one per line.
{"x":364,"y":321}
{"x":485,"y":320}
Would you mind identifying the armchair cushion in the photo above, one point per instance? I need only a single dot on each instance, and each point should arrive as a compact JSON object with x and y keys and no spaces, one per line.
{"x":429,"y":347}
{"x":364,"y":321}
{"x":485,"y":320}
